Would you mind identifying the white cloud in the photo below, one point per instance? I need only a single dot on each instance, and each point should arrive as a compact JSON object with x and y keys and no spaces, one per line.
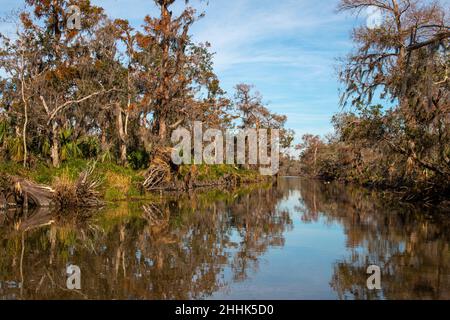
{"x":238,"y":31}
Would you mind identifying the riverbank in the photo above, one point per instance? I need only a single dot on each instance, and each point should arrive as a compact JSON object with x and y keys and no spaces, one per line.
{"x":408,"y":195}
{"x":109,"y":182}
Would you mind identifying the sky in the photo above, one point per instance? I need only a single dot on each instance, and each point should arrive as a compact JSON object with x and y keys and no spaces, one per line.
{"x":288,"y":49}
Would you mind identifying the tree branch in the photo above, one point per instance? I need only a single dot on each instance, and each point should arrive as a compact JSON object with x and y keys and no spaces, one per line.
{"x":437,"y":38}
{"x":55,"y":112}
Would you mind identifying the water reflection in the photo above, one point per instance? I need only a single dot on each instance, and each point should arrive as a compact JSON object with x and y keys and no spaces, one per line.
{"x":204,"y":245}
{"x":411,"y":246}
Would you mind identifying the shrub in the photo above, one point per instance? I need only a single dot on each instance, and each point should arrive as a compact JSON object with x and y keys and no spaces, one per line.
{"x":139,"y":159}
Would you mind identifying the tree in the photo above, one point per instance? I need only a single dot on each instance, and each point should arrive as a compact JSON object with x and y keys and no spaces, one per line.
{"x":309,"y":148}
{"x":252,"y":111}
{"x":163,"y":55}
{"x":64,"y":58}
{"x":406,"y":59}
{"x":106,"y":90}
{"x":125,"y":33}
{"x":254,"y":114}
{"x":19,"y":59}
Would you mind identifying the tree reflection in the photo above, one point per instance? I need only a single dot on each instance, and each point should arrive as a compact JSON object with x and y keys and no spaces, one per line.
{"x":177,"y":249}
{"x":191,"y":246}
{"x":410,"y":246}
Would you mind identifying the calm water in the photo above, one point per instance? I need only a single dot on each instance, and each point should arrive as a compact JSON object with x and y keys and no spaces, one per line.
{"x":299,"y":239}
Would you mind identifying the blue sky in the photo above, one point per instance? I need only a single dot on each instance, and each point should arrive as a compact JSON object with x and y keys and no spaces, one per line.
{"x":288,"y":49}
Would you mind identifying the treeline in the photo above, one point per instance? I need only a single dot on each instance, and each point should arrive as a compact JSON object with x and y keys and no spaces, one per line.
{"x":405,"y":147}
{"x":108,"y":91}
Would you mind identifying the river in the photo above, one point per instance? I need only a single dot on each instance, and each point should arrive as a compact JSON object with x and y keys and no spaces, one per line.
{"x":297,"y":239}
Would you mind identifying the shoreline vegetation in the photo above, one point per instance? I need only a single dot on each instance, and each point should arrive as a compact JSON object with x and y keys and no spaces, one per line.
{"x":86,"y":184}
{"x":86,"y":114}
{"x":402,"y":145}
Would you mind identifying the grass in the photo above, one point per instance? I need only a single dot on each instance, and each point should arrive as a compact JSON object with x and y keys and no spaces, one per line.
{"x":205,"y":173}
{"x":119,"y":183}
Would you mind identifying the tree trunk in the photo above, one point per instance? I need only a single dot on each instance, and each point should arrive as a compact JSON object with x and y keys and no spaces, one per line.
{"x":32,"y":194}
{"x":164,"y":86}
{"x":24,"y":137}
{"x":55,"y":145}
{"x":162,"y":129}
{"x":315,"y":161}
{"x":25,"y":106}
{"x":25,"y":124}
{"x":122,"y":135}
{"x":104,"y":142}
{"x":160,"y":125}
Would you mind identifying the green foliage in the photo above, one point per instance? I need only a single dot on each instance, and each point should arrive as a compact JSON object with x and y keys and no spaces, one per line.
{"x":87,"y":99}
{"x":363,"y":151}
{"x":119,"y":183}
{"x":69,"y":146}
{"x":106,"y":156}
{"x":15,"y":148}
{"x":89,"y":147}
{"x":3,"y":131}
{"x":139,"y":159}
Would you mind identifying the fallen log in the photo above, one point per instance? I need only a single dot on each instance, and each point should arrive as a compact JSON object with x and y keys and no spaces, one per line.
{"x":32,"y":194}
{"x":17,"y":192}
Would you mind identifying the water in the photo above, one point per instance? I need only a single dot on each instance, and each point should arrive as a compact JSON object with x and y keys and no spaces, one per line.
{"x":299,"y":239}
